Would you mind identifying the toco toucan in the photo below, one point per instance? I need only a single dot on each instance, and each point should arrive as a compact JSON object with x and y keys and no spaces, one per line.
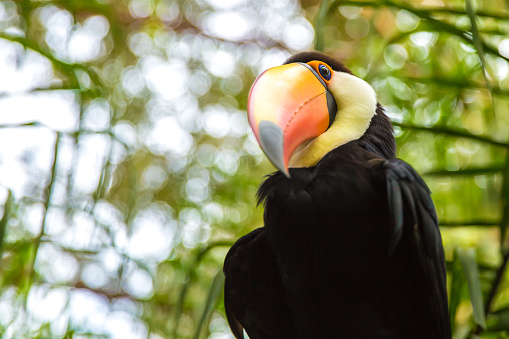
{"x":351,"y":246}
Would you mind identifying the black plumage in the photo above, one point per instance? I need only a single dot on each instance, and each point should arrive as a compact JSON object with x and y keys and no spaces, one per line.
{"x":350,"y":249}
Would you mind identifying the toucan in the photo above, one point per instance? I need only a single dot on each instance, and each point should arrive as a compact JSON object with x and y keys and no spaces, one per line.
{"x":350,"y":246}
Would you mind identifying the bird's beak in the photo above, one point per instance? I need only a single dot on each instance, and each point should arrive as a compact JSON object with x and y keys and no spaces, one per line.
{"x":288,"y":105}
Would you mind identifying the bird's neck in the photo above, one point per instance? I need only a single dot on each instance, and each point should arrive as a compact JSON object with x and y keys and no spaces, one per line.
{"x":379,"y":138}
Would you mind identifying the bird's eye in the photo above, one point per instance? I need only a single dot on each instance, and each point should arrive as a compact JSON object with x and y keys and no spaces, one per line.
{"x":324,"y":72}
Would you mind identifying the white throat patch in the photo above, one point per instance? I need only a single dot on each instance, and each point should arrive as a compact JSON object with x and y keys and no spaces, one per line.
{"x":356,"y":101}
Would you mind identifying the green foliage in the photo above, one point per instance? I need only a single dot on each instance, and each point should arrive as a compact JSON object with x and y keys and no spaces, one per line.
{"x":467,"y":258}
{"x":161,"y":151}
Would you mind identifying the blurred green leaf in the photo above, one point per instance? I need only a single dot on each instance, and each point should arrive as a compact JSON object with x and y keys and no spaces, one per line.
{"x":5,"y":219}
{"x":467,"y":258}
{"x":320,"y":20}
{"x":215,"y":292}
{"x":457,"y":83}
{"x":457,"y":285}
{"x":451,"y":131}
{"x":475,"y":223}
{"x":479,"y":43}
{"x":492,"y":169}
{"x":504,"y":224}
{"x":190,"y":278}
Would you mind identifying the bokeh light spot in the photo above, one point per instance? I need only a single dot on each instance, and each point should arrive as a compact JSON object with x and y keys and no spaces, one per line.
{"x":141,"y":8}
{"x":229,"y":25}
{"x":406,"y":21}
{"x":503,"y":47}
{"x":357,"y":28}
{"x":395,"y":56}
{"x":298,"y":34}
{"x":350,"y":12}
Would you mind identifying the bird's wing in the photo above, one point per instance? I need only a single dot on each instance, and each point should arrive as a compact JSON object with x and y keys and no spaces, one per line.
{"x":253,"y":294}
{"x":414,"y":220}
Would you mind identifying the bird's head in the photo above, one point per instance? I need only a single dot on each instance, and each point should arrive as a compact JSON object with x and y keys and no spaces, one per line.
{"x":310,"y":105}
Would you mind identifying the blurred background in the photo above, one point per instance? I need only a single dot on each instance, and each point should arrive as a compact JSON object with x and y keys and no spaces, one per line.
{"x":128,"y":169}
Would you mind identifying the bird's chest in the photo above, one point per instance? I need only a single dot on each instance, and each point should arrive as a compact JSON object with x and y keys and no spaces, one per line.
{"x":351,"y":200}
{"x":336,"y":218}
{"x":330,"y":237}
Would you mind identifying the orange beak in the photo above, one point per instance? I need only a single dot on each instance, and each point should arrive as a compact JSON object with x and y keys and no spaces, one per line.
{"x":288,"y":105}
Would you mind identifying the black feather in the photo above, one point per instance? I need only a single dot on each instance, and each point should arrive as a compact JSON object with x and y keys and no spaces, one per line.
{"x":424,"y":238}
{"x":308,"y":56}
{"x":379,"y":138}
{"x":253,"y":297}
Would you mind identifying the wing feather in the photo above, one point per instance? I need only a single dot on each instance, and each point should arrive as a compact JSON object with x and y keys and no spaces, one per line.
{"x":253,"y":296}
{"x":413,"y":213}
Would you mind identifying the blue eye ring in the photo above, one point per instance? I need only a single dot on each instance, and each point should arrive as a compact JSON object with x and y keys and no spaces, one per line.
{"x":324,"y":72}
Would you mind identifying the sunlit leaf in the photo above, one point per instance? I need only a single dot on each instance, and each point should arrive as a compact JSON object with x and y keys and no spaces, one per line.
{"x":214,"y":293}
{"x":467,"y":258}
{"x":457,"y":284}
